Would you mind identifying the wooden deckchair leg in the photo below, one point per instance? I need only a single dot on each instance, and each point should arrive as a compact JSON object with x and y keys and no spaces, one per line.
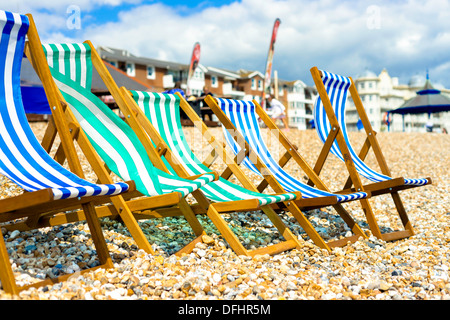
{"x":190,"y":217}
{"x":6,"y":273}
{"x":281,"y":227}
{"x":97,"y":235}
{"x":356,"y":229}
{"x":324,"y":153}
{"x":49,"y":135}
{"x":307,"y":226}
{"x":371,"y":219}
{"x":132,"y":225}
{"x":362,"y":155}
{"x":282,"y":162}
{"x":402,"y":212}
{"x":225,"y":230}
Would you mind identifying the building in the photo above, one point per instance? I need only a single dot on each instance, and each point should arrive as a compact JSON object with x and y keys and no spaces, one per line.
{"x":299,"y":99}
{"x":160,"y":75}
{"x":382,"y":93}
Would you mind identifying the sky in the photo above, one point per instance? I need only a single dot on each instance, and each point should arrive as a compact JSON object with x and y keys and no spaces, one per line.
{"x":406,"y":37}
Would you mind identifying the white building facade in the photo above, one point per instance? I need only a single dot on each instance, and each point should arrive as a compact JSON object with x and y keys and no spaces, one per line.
{"x":382,"y":93}
{"x":300,"y":100}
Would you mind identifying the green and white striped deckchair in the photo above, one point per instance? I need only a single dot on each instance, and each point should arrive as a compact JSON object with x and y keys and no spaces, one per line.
{"x":113,"y":140}
{"x":162,"y":110}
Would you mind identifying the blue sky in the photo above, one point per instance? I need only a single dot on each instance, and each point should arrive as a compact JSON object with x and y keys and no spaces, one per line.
{"x":406,"y":37}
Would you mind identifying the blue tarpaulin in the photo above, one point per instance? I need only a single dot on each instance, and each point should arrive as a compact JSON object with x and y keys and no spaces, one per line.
{"x":35,"y":100}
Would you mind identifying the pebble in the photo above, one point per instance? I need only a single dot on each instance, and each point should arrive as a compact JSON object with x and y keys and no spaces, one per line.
{"x":414,"y":268}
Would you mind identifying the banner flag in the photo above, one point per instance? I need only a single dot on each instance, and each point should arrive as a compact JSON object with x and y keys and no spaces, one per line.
{"x":268,"y":72}
{"x":194,"y":62}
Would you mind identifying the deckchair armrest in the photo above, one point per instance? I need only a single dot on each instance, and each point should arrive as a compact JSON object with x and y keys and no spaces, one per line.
{"x":236,"y":206}
{"x":216,"y":176}
{"x":298,"y":195}
{"x":131,"y":186}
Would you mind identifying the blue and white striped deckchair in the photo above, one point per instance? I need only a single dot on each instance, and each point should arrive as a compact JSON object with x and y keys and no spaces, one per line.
{"x":244,"y":118}
{"x":163,"y":111}
{"x":337,"y":88}
{"x":241,"y":118}
{"x":50,"y":188}
{"x":329,"y":119}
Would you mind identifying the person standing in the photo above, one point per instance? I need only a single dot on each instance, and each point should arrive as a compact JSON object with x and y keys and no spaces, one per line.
{"x":277,"y":110}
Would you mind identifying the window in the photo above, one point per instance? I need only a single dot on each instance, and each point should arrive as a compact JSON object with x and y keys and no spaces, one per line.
{"x":150,"y":72}
{"x":253,"y":84}
{"x":130,"y":69}
{"x":260,"y":85}
{"x":198,"y":74}
{"x":113,"y":63}
{"x":214,"y":82}
{"x":361,"y":85}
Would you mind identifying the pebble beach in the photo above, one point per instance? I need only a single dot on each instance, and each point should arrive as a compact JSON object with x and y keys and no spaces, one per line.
{"x":415,"y":268}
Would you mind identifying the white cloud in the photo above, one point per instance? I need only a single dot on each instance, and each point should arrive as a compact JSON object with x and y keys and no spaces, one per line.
{"x":55,"y":6}
{"x":406,"y":37}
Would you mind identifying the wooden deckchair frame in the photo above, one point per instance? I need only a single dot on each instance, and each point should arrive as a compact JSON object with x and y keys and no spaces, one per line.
{"x":64,"y":124}
{"x":32,"y":205}
{"x":214,"y":210}
{"x":385,"y":187}
{"x":155,"y":156}
{"x":291,"y":152}
{"x":144,"y":130}
{"x":233,"y":168}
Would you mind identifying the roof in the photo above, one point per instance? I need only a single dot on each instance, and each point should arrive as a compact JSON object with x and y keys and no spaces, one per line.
{"x":245,"y":74}
{"x":231,"y":75}
{"x":120,"y":78}
{"x":367,"y":74}
{"x":107,"y":53}
{"x":428,"y":100}
{"x":28,"y":77}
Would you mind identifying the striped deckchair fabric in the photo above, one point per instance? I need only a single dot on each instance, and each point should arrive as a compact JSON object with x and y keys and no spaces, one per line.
{"x":244,"y":118}
{"x":241,"y":130}
{"x":337,"y":89}
{"x":163,"y":111}
{"x":112,"y":138}
{"x":329,"y":119}
{"x":51,"y":188}
{"x":22,"y":158}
